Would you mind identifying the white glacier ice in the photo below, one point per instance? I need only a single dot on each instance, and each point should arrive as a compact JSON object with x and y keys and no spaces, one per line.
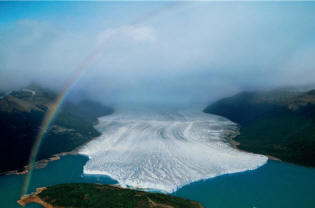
{"x":165,"y":150}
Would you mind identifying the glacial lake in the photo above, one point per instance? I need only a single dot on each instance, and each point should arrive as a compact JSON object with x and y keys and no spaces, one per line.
{"x":276,"y":184}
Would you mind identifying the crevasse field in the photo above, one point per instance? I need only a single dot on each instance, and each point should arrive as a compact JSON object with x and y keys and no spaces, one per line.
{"x":164,"y":150}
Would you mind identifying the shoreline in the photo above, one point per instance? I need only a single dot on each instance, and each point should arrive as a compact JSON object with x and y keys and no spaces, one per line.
{"x":34,"y":198}
{"x":40,"y":163}
{"x":44,"y":162}
{"x":234,"y":144}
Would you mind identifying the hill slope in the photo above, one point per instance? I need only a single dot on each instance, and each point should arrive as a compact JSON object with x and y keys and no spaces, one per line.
{"x":276,"y":123}
{"x":21,"y":114}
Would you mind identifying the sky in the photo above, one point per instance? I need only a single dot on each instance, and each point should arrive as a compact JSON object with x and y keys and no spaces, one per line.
{"x":157,"y":52}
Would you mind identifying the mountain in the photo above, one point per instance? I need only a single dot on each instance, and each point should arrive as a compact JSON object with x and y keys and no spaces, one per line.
{"x":100,"y":196}
{"x":21,"y":114}
{"x":278,"y":123}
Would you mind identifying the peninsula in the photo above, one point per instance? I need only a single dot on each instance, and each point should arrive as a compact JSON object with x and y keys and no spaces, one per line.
{"x":84,"y":195}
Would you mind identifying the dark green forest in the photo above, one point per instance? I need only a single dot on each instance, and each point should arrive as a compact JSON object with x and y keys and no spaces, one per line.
{"x":21,"y":114}
{"x":280,"y":124}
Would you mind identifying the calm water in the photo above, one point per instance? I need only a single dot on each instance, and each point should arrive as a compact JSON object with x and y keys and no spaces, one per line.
{"x":275,"y":184}
{"x":66,"y":170}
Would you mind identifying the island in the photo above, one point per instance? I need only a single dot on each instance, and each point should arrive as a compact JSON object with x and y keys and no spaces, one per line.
{"x":82,"y":195}
{"x":279,"y":123}
{"x":21,"y":115}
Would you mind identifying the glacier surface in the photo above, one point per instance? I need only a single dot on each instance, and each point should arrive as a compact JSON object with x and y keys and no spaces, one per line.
{"x":165,"y":149}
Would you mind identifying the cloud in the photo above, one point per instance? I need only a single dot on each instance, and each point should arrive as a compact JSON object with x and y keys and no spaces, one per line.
{"x":196,"y":53}
{"x":300,"y":68}
{"x":139,"y":34}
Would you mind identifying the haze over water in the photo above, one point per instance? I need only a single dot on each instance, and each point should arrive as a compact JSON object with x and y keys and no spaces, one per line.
{"x":165,"y":149}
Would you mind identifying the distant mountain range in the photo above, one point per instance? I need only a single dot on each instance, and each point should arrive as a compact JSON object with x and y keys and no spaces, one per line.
{"x":279,"y":123}
{"x":21,"y":114}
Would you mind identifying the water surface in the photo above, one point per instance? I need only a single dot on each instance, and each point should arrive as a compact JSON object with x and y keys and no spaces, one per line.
{"x":275,"y":184}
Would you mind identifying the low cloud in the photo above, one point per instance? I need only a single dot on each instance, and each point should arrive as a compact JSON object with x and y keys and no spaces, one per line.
{"x":195,"y":53}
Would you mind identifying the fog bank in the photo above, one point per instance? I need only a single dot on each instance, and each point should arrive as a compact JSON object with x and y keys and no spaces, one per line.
{"x":158,"y":52}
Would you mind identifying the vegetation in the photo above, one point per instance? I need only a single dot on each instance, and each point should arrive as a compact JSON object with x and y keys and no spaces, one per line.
{"x":277,"y":123}
{"x":21,"y":114}
{"x":100,"y":196}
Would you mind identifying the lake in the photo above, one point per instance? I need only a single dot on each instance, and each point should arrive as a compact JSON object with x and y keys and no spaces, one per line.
{"x":276,"y":184}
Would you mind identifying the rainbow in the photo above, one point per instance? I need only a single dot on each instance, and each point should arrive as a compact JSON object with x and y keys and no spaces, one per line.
{"x":53,"y":108}
{"x":51,"y":114}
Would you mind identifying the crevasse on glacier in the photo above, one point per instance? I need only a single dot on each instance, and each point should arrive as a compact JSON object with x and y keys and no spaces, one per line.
{"x":164,"y":150}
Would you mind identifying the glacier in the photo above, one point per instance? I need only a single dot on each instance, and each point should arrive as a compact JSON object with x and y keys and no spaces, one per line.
{"x":164,"y":150}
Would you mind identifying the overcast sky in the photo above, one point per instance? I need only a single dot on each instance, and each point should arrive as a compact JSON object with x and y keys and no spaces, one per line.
{"x":157,"y":52}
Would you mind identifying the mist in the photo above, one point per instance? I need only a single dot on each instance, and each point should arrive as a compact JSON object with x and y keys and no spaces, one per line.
{"x":158,"y":52}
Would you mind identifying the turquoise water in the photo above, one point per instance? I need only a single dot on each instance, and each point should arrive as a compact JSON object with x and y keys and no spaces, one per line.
{"x":66,"y":170}
{"x":276,"y":184}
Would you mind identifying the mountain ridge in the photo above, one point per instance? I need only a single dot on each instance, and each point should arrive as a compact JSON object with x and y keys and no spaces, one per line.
{"x":277,"y":123}
{"x":21,"y":114}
